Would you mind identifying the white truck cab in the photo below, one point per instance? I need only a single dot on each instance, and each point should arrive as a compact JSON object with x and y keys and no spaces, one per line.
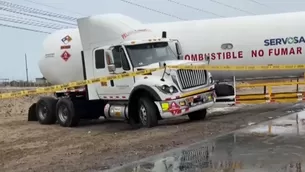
{"x":145,"y":99}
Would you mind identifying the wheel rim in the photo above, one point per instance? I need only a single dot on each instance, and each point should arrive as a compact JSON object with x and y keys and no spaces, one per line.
{"x":63,"y":113}
{"x":43,"y":111}
{"x":143,"y":114}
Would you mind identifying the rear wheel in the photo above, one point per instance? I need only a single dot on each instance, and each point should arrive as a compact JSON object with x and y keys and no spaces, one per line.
{"x":65,"y":113}
{"x":45,"y":110}
{"x":198,"y":115}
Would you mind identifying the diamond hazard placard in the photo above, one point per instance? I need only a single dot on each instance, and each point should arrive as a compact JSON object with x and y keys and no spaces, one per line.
{"x":66,"y":39}
{"x":65,"y":55}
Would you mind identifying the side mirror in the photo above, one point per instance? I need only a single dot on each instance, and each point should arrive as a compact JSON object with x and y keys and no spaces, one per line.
{"x":162,"y":64}
{"x":111,"y":68}
{"x":208,"y":59}
{"x":178,"y":50}
{"x":210,"y":78}
{"x":110,"y":62}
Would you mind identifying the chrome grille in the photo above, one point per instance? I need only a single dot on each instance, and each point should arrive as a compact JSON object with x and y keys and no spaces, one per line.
{"x":191,"y":78}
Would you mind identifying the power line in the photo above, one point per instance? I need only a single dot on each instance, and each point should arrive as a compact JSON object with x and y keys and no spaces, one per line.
{"x":18,"y":21}
{"x":37,"y":11}
{"x":23,"y":28}
{"x":194,"y":8}
{"x":259,"y":3}
{"x":31,"y":15}
{"x":235,"y":8}
{"x":57,"y":8}
{"x":147,"y":8}
{"x":37,"y":21}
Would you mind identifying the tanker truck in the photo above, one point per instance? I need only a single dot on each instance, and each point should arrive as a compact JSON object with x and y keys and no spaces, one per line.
{"x":249,"y":40}
{"x":140,"y":100}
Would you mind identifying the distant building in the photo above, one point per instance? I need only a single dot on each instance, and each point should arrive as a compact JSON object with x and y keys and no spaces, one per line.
{"x":41,"y":81}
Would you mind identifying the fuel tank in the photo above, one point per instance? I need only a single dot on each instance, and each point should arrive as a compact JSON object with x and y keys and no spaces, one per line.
{"x":250,"y":40}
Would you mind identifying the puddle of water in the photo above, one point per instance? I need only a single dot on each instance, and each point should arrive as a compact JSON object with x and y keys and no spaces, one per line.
{"x":293,"y":124}
{"x":241,"y":151}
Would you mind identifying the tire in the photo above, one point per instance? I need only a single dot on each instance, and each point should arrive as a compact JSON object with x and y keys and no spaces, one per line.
{"x":198,"y":115}
{"x":65,"y":113}
{"x":45,"y":110}
{"x":222,"y":90}
{"x":147,"y":112}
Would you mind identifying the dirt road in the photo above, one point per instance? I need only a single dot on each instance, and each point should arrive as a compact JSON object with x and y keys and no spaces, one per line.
{"x":28,"y":146}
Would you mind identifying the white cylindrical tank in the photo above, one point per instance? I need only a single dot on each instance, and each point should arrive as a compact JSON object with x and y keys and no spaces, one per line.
{"x":61,"y":61}
{"x":53,"y":66}
{"x":196,"y":37}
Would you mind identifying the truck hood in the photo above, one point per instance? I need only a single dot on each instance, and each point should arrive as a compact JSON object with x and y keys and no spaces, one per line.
{"x":171,"y":63}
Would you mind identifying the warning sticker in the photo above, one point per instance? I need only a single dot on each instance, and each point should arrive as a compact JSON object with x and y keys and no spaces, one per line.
{"x":66,"y":39}
{"x":65,"y":56}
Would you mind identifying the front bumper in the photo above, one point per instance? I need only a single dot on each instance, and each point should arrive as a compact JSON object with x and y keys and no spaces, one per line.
{"x":185,"y":105}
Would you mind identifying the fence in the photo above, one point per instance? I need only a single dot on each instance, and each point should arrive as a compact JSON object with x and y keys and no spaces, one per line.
{"x":23,"y":84}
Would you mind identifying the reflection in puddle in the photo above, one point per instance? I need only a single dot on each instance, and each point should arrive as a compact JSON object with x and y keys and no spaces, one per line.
{"x":289,"y":125}
{"x":276,"y":146}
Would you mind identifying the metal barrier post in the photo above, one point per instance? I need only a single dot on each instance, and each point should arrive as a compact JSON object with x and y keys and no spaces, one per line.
{"x":297,"y":84}
{"x":269,"y":127}
{"x":270,"y":92}
{"x":234,"y":86}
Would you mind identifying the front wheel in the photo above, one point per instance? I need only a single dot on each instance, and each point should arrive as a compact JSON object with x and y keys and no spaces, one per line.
{"x":147,"y":112}
{"x":198,"y":115}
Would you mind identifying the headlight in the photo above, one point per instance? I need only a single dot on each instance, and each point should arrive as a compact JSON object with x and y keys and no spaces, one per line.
{"x":167,"y":89}
{"x":211,"y":80}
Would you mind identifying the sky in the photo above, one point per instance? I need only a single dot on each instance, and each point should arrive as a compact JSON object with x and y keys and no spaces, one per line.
{"x":15,"y":43}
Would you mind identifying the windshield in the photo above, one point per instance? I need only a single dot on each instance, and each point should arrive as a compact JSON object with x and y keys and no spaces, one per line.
{"x":146,"y":54}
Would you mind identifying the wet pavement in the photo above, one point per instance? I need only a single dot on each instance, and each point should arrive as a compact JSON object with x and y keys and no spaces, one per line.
{"x":273,"y":146}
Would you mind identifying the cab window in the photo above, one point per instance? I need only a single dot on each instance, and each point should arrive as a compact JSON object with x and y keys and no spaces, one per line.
{"x":99,"y":59}
{"x":120,"y":60}
{"x":117,"y":57}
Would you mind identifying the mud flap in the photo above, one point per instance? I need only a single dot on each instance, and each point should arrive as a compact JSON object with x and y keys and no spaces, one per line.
{"x":32,"y":113}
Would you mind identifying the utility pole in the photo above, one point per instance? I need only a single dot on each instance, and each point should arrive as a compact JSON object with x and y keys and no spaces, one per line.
{"x":26,"y":68}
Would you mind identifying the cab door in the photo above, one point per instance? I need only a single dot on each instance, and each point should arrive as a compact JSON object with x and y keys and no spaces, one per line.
{"x":100,"y":70}
{"x":113,"y":89}
{"x":122,"y":65}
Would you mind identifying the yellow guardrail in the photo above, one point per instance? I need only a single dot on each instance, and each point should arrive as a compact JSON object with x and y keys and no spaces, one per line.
{"x":270,"y":84}
{"x":269,"y":96}
{"x":142,"y":72}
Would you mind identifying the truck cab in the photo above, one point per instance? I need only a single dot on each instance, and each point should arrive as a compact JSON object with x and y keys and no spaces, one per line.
{"x":157,"y":94}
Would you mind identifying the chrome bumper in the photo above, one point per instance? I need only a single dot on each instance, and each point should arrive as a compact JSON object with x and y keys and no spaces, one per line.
{"x":185,"y":105}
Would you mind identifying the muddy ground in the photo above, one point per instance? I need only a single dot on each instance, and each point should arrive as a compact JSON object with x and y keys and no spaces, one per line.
{"x":28,"y":146}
